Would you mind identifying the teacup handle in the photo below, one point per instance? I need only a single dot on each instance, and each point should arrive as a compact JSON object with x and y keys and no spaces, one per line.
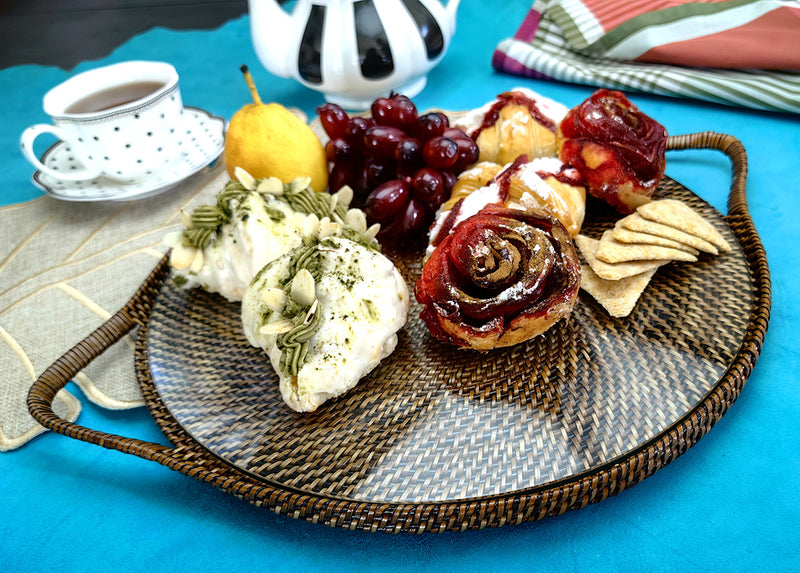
{"x":26,"y":146}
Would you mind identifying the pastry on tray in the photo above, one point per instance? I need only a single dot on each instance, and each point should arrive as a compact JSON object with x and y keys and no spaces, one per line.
{"x":326,"y":313}
{"x":544,"y":184}
{"x":500,"y":277}
{"x":619,"y":151}
{"x":317,"y":295}
{"x":517,"y":122}
{"x":224,"y":245}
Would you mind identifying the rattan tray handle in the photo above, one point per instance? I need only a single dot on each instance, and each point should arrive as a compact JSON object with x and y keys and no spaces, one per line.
{"x":135,"y":312}
{"x":56,"y":377}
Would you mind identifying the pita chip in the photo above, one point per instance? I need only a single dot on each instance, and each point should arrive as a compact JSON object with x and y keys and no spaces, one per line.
{"x":679,"y":215}
{"x":612,"y":271}
{"x":624,"y":235}
{"x":636,"y":222}
{"x":611,"y":251}
{"x":618,"y":297}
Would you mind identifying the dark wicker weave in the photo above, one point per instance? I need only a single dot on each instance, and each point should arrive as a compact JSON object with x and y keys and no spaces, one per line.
{"x":438,"y":439}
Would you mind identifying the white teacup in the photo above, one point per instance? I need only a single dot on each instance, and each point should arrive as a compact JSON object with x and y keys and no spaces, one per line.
{"x":121,"y":121}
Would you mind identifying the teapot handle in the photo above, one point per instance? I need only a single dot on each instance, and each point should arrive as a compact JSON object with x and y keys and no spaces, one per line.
{"x":272,"y":30}
{"x":451,"y":9}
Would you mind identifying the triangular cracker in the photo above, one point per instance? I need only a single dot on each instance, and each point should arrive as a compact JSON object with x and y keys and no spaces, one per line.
{"x":636,"y":222}
{"x":624,"y":235}
{"x":612,"y":272}
{"x":679,"y":215}
{"x":617,"y":297}
{"x":611,"y":251}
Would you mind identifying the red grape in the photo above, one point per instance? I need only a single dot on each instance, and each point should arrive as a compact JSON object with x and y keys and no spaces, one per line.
{"x":468,"y":153}
{"x":356,"y":128}
{"x":334,"y":119}
{"x":410,"y":223}
{"x":403,"y":114}
{"x":381,"y":108}
{"x":428,"y":186}
{"x":341,"y":175}
{"x":395,"y":111}
{"x":440,"y":152}
{"x":430,"y":125}
{"x":387,"y":200}
{"x":379,"y":171}
{"x":449,"y":179}
{"x":382,"y":140}
{"x":360,"y":184}
{"x":455,"y":133}
{"x":338,"y":149}
{"x":408,"y":155}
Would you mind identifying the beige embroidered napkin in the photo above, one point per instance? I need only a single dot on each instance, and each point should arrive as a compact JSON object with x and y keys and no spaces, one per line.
{"x":64,"y":269}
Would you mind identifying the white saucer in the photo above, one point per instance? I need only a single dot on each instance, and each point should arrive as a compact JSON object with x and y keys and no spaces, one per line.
{"x":203,"y":143}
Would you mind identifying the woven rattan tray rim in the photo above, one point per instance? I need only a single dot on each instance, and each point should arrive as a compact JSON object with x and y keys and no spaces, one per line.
{"x":552,"y":499}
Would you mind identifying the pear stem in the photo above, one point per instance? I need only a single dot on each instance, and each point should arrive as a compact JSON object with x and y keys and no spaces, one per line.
{"x":251,"y":84}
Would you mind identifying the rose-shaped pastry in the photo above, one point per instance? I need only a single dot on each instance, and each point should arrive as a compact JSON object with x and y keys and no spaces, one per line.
{"x":619,"y":151}
{"x":501,"y":277}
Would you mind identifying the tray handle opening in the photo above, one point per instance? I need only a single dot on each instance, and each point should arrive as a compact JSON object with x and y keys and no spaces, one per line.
{"x":54,"y":378}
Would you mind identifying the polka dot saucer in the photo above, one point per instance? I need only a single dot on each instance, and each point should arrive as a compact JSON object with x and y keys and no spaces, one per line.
{"x":202,"y":144}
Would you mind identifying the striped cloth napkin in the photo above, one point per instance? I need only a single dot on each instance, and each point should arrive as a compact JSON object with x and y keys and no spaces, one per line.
{"x":737,"y":52}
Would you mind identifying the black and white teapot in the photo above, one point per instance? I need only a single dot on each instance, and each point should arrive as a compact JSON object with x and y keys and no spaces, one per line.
{"x":353,"y":50}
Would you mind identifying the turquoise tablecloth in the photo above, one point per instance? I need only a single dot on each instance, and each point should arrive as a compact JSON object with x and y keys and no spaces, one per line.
{"x":730,"y":503}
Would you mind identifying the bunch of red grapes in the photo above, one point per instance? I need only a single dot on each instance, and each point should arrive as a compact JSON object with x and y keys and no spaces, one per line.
{"x":400,"y":165}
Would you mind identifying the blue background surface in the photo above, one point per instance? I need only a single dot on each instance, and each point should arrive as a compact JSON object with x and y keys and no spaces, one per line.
{"x":730,"y":503}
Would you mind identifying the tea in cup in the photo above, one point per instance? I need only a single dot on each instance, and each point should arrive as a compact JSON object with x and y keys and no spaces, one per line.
{"x":122,"y":121}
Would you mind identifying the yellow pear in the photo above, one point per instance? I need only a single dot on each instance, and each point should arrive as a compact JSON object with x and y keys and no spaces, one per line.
{"x":268,"y":140}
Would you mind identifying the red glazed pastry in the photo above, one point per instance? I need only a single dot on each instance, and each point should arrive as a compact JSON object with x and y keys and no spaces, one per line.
{"x":501,"y":277}
{"x":618,"y":150}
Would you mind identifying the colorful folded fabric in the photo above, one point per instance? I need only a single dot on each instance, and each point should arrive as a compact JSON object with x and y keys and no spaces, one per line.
{"x":737,"y":52}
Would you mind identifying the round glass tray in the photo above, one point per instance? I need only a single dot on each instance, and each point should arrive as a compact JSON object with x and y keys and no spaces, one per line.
{"x":440,"y":439}
{"x":435,"y":424}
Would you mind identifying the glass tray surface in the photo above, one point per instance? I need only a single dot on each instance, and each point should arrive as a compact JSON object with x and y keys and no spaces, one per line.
{"x":433,"y":423}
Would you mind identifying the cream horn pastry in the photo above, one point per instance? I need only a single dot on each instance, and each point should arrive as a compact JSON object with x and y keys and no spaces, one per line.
{"x":517,"y":122}
{"x":543,"y":185}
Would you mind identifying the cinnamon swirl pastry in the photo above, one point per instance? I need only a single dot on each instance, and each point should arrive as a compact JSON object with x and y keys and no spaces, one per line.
{"x":619,"y":151}
{"x":502,"y":276}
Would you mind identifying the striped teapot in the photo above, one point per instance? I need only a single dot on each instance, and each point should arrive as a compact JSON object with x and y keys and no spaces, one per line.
{"x":353,"y":51}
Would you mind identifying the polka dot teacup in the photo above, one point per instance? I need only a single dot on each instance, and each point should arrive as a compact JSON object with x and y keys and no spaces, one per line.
{"x":121,"y":121}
